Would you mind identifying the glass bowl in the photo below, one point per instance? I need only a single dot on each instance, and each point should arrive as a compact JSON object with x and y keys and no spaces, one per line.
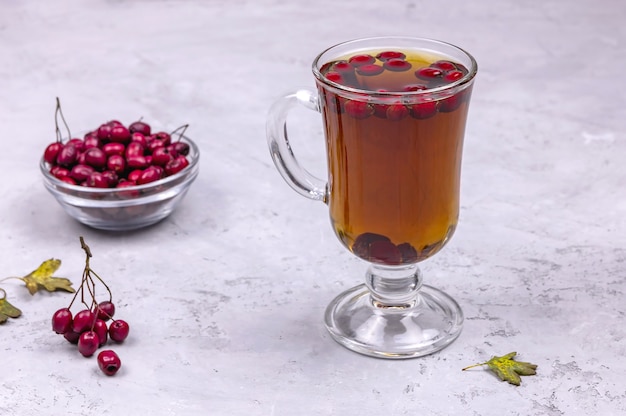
{"x":123,"y":209}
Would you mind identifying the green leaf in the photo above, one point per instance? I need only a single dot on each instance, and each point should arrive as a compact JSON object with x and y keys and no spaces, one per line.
{"x":508,"y":369}
{"x":8,"y":311}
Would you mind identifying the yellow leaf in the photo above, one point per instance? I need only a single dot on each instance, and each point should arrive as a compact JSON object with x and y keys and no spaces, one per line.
{"x":508,"y":369}
{"x":42,"y":278}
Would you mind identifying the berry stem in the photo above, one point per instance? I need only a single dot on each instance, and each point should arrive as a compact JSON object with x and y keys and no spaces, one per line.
{"x":58,"y":112}
{"x":473,"y":366}
{"x":85,"y":247}
{"x":80,"y":290}
{"x":104,"y":284}
{"x":88,"y":274}
{"x":183,"y":128}
{"x":91,"y":288}
{"x":10,"y":277}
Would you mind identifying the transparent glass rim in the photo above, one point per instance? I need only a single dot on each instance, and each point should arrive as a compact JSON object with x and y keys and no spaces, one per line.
{"x":78,"y":189}
{"x":456,"y":85}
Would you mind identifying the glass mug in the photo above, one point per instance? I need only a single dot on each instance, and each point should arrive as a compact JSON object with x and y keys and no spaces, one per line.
{"x":394,"y":112}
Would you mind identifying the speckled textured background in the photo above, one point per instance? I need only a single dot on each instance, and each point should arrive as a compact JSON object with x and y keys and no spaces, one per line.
{"x":225,"y":297}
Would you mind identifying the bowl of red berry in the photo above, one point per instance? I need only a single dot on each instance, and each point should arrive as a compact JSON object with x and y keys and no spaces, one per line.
{"x":120,"y":177}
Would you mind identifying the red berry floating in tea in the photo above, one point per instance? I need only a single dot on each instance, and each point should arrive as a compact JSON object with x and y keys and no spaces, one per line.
{"x":444,"y":65}
{"x":396,"y":112}
{"x":429,"y":73}
{"x":397,"y":65}
{"x":388,"y":55}
{"x":453,"y":76}
{"x":334,"y":77}
{"x":423,"y":110}
{"x":358,"y":109}
{"x":343,"y":67}
{"x":370,"y":70}
{"x":360,"y":60}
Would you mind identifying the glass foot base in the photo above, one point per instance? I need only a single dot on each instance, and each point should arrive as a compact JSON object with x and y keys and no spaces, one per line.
{"x":425,"y":326}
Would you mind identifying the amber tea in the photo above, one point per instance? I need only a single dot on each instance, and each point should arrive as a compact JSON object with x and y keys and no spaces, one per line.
{"x":394,"y":112}
{"x":394,"y":137}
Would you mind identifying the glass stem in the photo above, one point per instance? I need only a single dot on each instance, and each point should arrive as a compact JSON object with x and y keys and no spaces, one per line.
{"x":393,"y":286}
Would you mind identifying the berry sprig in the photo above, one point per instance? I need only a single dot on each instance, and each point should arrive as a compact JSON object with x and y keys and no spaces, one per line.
{"x":88,"y":328}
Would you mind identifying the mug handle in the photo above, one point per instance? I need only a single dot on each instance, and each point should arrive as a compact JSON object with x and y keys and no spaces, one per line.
{"x":301,"y":180}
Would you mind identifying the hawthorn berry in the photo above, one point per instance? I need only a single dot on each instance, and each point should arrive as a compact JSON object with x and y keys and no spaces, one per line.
{"x":118,"y":330}
{"x":109,"y":362}
{"x":88,"y":343}
{"x":62,"y":321}
{"x":106,"y":310}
